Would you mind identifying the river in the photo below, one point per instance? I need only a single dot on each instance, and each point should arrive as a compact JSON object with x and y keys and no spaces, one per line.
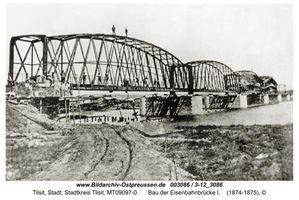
{"x":281,"y":113}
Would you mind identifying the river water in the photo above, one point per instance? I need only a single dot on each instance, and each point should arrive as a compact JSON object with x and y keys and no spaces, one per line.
{"x":281,"y":113}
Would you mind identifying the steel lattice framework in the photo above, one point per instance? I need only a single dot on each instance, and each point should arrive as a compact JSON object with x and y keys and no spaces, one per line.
{"x":249,"y":81}
{"x":215,"y":76}
{"x":113,"y":62}
{"x":97,"y":61}
{"x":269,"y":84}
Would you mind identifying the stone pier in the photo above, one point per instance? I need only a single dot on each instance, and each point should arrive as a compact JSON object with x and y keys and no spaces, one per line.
{"x":197,"y":105}
{"x":266,"y":99}
{"x":142,"y":106}
{"x":243,"y":100}
{"x":279,"y":98}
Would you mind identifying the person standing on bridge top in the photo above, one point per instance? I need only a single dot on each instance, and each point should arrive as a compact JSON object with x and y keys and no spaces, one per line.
{"x":126,"y":32}
{"x":113,"y":29}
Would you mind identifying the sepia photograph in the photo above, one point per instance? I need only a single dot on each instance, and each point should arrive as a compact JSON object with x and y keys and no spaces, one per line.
{"x":149,"y":92}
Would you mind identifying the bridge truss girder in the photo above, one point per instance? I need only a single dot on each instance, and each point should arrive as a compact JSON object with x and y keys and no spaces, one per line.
{"x":113,"y":62}
{"x":97,"y":60}
{"x":213,"y":76}
{"x":249,"y":81}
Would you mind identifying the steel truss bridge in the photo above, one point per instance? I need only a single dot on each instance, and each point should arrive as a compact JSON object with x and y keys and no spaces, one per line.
{"x":113,"y":62}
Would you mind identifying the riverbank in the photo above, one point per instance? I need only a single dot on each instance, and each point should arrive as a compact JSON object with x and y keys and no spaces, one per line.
{"x":255,"y":152}
{"x":38,"y":148}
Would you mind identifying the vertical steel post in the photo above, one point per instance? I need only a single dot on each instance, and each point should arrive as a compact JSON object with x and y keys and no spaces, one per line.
{"x":65,"y":113}
{"x":45,"y":55}
{"x":61,"y":55}
{"x":191,"y":79}
{"x":32,"y":58}
{"x":11,"y":58}
{"x":171,"y":77}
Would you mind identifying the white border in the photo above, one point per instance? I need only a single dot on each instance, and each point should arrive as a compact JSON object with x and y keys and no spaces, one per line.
{"x":23,"y":190}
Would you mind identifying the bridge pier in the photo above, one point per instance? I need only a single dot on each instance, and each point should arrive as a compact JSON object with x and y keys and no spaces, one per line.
{"x":279,"y":98}
{"x":266,"y":99}
{"x":142,"y":106}
{"x":197,"y":105}
{"x":243,"y":100}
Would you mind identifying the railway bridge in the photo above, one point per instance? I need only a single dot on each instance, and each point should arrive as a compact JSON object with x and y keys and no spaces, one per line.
{"x":113,"y":62}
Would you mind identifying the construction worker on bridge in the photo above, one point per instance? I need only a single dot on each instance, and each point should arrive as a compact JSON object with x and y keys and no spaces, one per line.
{"x":113,"y":30}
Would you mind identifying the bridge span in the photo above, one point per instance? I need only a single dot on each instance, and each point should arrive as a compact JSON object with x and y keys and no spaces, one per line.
{"x":97,"y":62}
{"x":113,"y":62}
{"x":109,"y":62}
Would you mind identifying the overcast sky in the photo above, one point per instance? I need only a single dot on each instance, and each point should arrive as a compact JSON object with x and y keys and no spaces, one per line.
{"x":254,"y":37}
